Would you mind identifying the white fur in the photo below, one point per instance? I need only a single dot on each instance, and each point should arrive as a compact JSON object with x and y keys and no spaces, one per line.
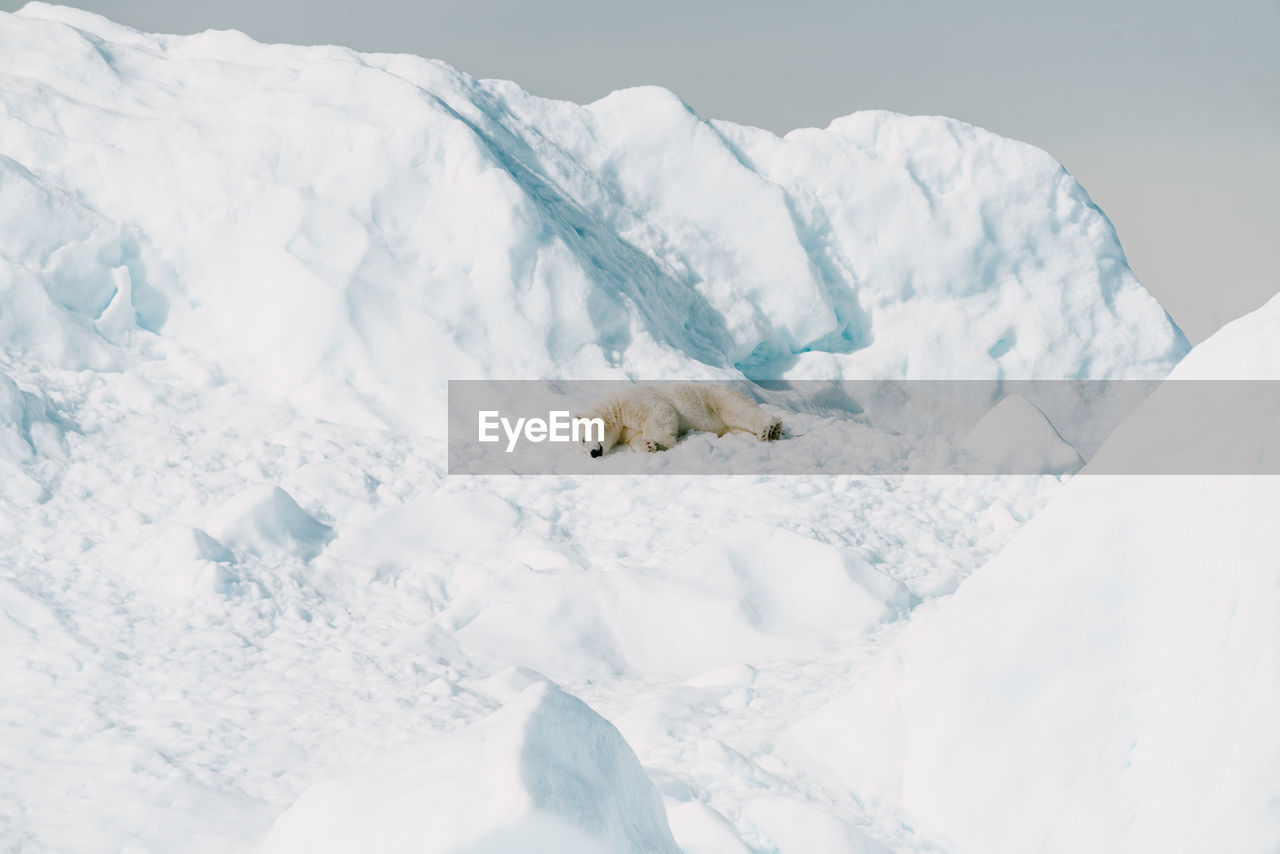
{"x":652,"y":418}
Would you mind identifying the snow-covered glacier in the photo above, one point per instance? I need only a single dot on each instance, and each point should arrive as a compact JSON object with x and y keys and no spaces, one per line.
{"x":242,"y":603}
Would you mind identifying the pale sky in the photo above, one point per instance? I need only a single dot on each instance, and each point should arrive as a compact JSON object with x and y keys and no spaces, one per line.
{"x":1167,"y":112}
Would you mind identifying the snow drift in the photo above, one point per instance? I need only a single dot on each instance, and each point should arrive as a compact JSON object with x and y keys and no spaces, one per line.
{"x":543,"y":775}
{"x":1109,"y":681}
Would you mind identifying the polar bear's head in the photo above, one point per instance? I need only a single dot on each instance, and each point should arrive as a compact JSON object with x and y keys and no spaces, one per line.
{"x":593,"y":439}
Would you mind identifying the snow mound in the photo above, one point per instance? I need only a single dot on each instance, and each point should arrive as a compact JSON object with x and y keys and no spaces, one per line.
{"x":543,"y":775}
{"x":265,"y":521}
{"x":787,"y":583}
{"x":225,"y":196}
{"x":184,"y":562}
{"x":749,"y":592}
{"x":1015,"y":436}
{"x":1112,"y":672}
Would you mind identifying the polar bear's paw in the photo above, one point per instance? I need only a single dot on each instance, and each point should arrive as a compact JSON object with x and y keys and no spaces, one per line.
{"x":650,"y":447}
{"x":771,"y":432}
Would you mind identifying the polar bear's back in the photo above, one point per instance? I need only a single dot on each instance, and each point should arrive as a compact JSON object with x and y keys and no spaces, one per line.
{"x":695,"y":406}
{"x":702,"y":406}
{"x":662,"y":413}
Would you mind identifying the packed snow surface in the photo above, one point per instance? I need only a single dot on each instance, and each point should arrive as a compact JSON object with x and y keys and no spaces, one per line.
{"x":242,"y":603}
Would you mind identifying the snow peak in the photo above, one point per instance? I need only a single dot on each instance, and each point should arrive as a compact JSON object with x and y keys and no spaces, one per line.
{"x":559,"y":426}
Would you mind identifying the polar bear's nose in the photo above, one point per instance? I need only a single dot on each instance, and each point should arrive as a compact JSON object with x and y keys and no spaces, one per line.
{"x":597,"y":451}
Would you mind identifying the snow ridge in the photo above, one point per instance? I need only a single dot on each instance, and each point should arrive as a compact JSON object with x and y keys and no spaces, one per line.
{"x":227,"y":195}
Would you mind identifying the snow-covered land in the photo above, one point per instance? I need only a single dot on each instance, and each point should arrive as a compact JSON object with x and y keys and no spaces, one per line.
{"x":243,"y":607}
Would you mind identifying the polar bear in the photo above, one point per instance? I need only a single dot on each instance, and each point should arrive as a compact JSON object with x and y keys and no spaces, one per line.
{"x":652,"y":418}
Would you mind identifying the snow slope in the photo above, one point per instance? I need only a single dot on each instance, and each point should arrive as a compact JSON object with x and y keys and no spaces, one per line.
{"x":233,"y":280}
{"x":1110,"y":681}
